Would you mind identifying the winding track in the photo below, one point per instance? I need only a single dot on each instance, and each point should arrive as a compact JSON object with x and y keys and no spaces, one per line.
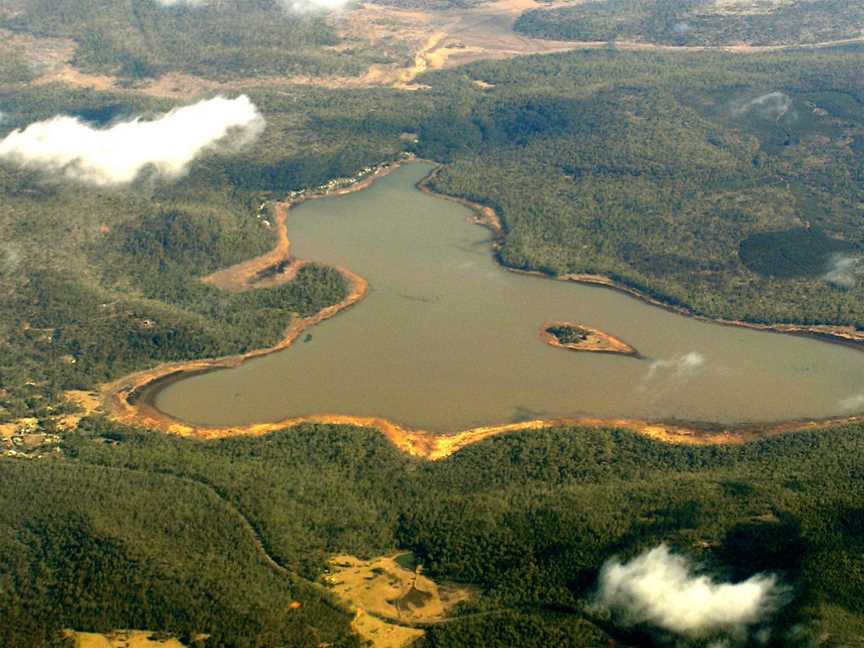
{"x":257,"y":539}
{"x":255,"y":536}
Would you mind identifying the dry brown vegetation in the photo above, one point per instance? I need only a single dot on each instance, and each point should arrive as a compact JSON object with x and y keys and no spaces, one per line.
{"x":425,"y":40}
{"x":87,"y":403}
{"x":443,"y":38}
{"x":382,"y":634}
{"x":389,"y":598}
{"x":123,"y":639}
{"x":123,"y":400}
{"x":46,"y":55}
{"x":414,"y":40}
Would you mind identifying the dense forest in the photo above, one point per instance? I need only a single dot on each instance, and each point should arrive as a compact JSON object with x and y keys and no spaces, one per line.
{"x":101,"y":283}
{"x":654,"y":170}
{"x":732,"y":186}
{"x":529,"y":518}
{"x":141,"y":39}
{"x":698,"y":22}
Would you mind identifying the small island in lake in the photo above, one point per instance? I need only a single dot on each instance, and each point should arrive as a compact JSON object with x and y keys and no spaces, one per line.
{"x":578,"y":337}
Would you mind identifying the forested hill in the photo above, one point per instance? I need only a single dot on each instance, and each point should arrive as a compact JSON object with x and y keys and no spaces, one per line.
{"x":698,"y":22}
{"x":145,"y":38}
{"x":730,"y":185}
{"x":135,"y":529}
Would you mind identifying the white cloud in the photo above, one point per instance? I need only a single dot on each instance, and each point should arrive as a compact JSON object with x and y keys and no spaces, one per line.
{"x":304,"y":6}
{"x":773,"y":105}
{"x":853,"y":403}
{"x":120,"y":153}
{"x":299,"y":6}
{"x":845,"y":270}
{"x":681,"y":28}
{"x":662,"y":589}
{"x":678,"y":367}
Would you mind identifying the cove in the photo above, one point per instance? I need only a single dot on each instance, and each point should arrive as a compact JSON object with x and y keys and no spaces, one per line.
{"x":447,"y":340}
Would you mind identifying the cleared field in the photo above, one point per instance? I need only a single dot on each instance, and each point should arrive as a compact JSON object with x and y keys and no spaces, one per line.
{"x":390,"y":597}
{"x":124,"y":639}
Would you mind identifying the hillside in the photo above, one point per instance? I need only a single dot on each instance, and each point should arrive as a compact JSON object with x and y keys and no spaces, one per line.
{"x":671,"y":174}
{"x":528,"y":518}
{"x":713,"y":23}
{"x":726,"y":184}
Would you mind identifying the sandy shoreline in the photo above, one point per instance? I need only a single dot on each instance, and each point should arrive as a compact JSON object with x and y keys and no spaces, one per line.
{"x":434,"y":447}
{"x":122,"y":400}
{"x":597,"y":341}
{"x":486,"y":216}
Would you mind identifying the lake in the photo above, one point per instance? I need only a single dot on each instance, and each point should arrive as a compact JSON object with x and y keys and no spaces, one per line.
{"x":447,"y":339}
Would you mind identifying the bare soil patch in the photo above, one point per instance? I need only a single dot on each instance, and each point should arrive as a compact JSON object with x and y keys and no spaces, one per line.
{"x":121,"y":399}
{"x":382,"y":634}
{"x":592,"y":340}
{"x":446,"y":38}
{"x":747,"y":7}
{"x":124,"y":639}
{"x":389,"y":598}
{"x":414,"y":40}
{"x":88,"y":403}
{"x":385,"y":588}
{"x":46,"y":55}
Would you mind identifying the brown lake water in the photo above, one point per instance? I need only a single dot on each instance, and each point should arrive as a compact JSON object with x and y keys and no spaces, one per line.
{"x":446,"y":339}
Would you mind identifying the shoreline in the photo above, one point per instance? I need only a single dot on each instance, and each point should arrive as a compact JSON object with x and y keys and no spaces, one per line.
{"x":435,"y":447}
{"x":833,"y":334}
{"x":486,"y":216}
{"x":122,"y":399}
{"x":602,"y":343}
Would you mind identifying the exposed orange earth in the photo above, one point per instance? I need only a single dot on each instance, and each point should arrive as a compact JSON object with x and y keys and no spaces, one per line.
{"x":594,"y":340}
{"x":121,"y":398}
{"x":432,"y":38}
{"x":123,"y":639}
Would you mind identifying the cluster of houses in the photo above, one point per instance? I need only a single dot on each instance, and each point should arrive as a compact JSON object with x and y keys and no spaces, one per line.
{"x":23,"y":440}
{"x":321,"y":190}
{"x":29,"y":445}
{"x":336,"y":184}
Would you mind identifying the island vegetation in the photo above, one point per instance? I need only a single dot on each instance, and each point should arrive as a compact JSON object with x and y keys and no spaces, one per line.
{"x":623,"y":202}
{"x":667,"y":182}
{"x":578,"y":337}
{"x":725,"y":185}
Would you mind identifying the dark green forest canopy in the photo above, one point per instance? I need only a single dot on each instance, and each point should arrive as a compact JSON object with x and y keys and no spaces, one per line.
{"x":528,"y":517}
{"x":654,"y":169}
{"x":568,"y":334}
{"x":98,"y":283}
{"x":680,"y":174}
{"x":698,"y":22}
{"x":137,"y":39}
{"x":651,"y":169}
{"x":796,"y":252}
